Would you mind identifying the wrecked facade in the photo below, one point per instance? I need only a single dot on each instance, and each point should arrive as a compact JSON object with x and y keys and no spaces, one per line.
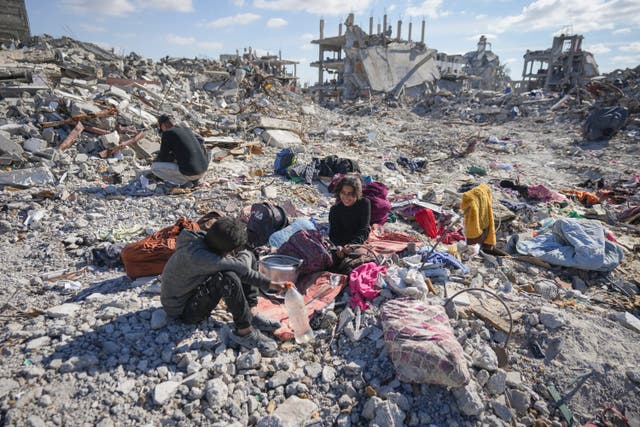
{"x":483,"y":69}
{"x":374,"y":62}
{"x":565,"y":65}
{"x":14,"y":22}
{"x":382,"y":62}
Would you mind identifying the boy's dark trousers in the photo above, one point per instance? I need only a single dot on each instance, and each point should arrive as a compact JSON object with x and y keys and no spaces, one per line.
{"x":239,"y":298}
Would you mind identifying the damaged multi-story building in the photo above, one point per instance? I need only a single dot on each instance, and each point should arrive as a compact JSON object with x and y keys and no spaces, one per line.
{"x":14,"y":22}
{"x":373,"y":62}
{"x":360,"y":63}
{"x":563,"y":66}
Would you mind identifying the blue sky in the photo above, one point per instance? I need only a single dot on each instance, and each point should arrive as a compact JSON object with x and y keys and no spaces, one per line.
{"x":190,"y":28}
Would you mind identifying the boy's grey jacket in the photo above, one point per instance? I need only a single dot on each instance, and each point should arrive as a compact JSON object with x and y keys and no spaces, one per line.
{"x":193,"y":262}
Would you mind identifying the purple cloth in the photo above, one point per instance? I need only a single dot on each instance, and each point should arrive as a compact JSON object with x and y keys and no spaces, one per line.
{"x":377,"y":192}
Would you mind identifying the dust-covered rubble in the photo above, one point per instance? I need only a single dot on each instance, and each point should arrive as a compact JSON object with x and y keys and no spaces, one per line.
{"x":82,"y":344}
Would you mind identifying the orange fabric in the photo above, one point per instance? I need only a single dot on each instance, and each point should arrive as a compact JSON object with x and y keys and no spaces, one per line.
{"x":148,"y":256}
{"x":317,"y":292}
{"x":584,"y":197}
{"x":389,"y":242}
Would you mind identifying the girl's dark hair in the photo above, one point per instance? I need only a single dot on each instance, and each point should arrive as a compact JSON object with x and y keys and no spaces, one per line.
{"x":352,"y":180}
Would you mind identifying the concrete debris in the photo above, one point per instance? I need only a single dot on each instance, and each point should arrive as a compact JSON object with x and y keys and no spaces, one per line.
{"x":77,"y":136}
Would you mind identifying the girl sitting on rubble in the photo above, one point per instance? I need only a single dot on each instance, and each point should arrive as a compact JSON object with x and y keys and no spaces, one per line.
{"x":349,"y":217}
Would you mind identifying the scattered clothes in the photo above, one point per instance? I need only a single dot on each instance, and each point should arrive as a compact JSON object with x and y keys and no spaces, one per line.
{"x":317,"y":291}
{"x":437,"y":257}
{"x":377,"y":192}
{"x":584,"y":197}
{"x":362,"y":282}
{"x":574,"y":243}
{"x":389,"y":242}
{"x":453,"y":236}
{"x":477,"y":171}
{"x":413,"y":165}
{"x":630,"y":215}
{"x":517,"y":207}
{"x":523,"y":190}
{"x":301,"y":172}
{"x":422,"y":345}
{"x":542,"y":193}
{"x":427,"y":220}
{"x":478,"y":214}
{"x":391,"y":165}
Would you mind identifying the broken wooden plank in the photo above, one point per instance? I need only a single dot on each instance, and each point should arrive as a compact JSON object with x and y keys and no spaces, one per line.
{"x":532,"y":260}
{"x":111,"y":111}
{"x":71,"y":138}
{"x":106,"y":153}
{"x":491,"y":318}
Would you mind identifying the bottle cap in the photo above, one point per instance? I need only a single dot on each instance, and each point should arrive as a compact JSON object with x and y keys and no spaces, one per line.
{"x":288,"y":285}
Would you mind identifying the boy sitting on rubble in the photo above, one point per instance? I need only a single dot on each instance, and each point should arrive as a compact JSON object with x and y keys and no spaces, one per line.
{"x":208,"y":267}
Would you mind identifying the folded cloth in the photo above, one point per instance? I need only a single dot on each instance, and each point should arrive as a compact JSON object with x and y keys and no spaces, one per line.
{"x":478,"y":217}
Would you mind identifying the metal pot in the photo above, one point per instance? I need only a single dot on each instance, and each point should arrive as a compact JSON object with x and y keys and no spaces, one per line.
{"x":279,"y":268}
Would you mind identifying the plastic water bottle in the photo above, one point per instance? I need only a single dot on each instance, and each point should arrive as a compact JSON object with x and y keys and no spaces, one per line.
{"x":278,"y":238}
{"x":294,"y":304}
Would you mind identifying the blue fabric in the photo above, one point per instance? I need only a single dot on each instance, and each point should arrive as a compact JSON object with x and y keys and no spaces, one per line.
{"x":446,"y":258}
{"x":575,"y":243}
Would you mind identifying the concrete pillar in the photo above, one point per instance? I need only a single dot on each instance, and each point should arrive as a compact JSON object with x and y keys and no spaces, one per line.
{"x":321,"y":54}
{"x":399,"y":35}
{"x":409,"y":32}
{"x":424,"y":23}
{"x":384,"y":22}
{"x":378,"y":32}
{"x":370,"y":25}
{"x":340,"y":29}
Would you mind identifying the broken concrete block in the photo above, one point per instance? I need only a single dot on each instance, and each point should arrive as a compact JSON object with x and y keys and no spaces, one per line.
{"x":295,"y":411}
{"x":27,"y":177}
{"x":34,"y":145}
{"x":83,"y":108}
{"x":120,"y":93}
{"x":146,"y":149}
{"x":627,"y":319}
{"x":269,"y":123}
{"x":49,"y":135}
{"x":9,"y":147}
{"x":308,"y":110}
{"x":280,"y":138}
{"x":110,"y":140}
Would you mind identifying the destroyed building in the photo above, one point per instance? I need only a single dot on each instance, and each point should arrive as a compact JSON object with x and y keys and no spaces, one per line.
{"x":374,"y":62}
{"x":361,"y":63}
{"x":563,"y":66}
{"x":483,"y":68}
{"x":14,"y":22}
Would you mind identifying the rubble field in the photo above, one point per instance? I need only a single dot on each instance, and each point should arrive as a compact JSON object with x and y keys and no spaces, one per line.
{"x":83,"y":344}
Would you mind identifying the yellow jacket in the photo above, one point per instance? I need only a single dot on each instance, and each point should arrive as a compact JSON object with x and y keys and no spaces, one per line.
{"x":478,"y":214}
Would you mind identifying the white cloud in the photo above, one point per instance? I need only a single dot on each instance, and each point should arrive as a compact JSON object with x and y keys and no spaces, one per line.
{"x":175,"y":5}
{"x":307,"y":37}
{"x":111,"y":8}
{"x":326,"y":7}
{"x":512,"y":60}
{"x":583,"y":16}
{"x":626,"y":59}
{"x":124,"y":7}
{"x":428,"y":8}
{"x":481,"y":16}
{"x":631,"y":47}
{"x":180,"y":41}
{"x":238,"y":3}
{"x":239,"y":19}
{"x":277,"y":23}
{"x":92,"y":28}
{"x":391,"y":8}
{"x":210,"y":45}
{"x":598,"y":48}
{"x":622,"y":31}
